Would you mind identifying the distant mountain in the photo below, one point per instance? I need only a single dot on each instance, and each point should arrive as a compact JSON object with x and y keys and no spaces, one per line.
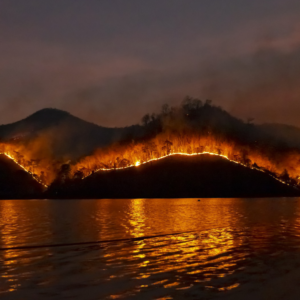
{"x":177,"y":177}
{"x":53,"y":144}
{"x":15,"y":182}
{"x":55,"y":141}
{"x":63,"y":135}
{"x":66,"y":137}
{"x":287,"y":134}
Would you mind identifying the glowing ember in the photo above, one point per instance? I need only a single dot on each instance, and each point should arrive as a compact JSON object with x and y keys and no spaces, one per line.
{"x":32,"y":175}
{"x":134,"y":154}
{"x":192,"y":129}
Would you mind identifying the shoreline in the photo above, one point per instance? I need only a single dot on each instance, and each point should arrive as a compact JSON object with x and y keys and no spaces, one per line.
{"x":148,"y":198}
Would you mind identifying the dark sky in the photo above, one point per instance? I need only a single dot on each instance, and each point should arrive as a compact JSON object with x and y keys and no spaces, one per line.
{"x":110,"y":62}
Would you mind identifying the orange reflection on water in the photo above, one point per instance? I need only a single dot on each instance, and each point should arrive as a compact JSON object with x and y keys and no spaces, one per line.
{"x":137,"y":218}
{"x":187,"y":245}
{"x":136,"y":225}
{"x":15,"y":216}
{"x":202,"y":254}
{"x":10,"y":219}
{"x":10,"y":223}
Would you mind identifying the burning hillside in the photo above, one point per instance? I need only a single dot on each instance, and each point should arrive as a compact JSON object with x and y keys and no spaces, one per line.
{"x":176,"y":176}
{"x":194,"y":128}
{"x":47,"y":139}
{"x":15,"y":182}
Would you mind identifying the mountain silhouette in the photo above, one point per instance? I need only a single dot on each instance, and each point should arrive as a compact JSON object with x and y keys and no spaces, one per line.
{"x":66,"y":140}
{"x":68,"y":137}
{"x":287,"y":134}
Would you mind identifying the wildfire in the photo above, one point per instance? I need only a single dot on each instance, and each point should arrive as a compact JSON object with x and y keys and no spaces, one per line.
{"x":36,"y":178}
{"x":135,"y":154}
{"x":187,"y":154}
{"x":164,"y":145}
{"x":194,"y":128}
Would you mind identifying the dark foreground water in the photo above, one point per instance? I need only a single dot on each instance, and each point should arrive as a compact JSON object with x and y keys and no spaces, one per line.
{"x":149,"y":249}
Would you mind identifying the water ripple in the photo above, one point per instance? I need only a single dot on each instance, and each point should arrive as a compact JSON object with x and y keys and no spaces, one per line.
{"x":145,"y":249}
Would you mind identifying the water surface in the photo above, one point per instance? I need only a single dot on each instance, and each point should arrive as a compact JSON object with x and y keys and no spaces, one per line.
{"x":145,"y":248}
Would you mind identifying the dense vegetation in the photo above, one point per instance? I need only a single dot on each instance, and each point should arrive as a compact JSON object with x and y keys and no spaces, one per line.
{"x":50,"y":151}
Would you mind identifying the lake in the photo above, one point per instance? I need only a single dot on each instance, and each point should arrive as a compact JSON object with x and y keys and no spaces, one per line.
{"x":147,"y":248}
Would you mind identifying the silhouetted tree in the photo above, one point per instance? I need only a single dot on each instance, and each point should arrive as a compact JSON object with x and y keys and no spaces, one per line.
{"x":191,"y":106}
{"x":35,"y":164}
{"x":146,"y":119}
{"x":168,"y":146}
{"x":58,"y":186}
{"x":244,"y":157}
{"x":145,"y":149}
{"x":17,"y":157}
{"x":21,"y":157}
{"x":165,"y":110}
{"x":208,"y":102}
{"x":43,"y":177}
{"x":124,"y":163}
{"x":152,"y":148}
{"x":153,"y":117}
{"x":219,"y":151}
{"x":78,"y":175}
{"x":285,"y":176}
{"x":64,"y":173}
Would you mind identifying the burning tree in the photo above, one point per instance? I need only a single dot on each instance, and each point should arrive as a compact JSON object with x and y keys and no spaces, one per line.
{"x":168,"y":146}
{"x":195,"y":127}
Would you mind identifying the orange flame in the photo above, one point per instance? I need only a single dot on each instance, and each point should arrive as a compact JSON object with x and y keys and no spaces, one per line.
{"x":134,"y":154}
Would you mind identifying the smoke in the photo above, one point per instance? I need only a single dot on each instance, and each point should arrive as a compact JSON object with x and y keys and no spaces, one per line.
{"x":261,"y":81}
{"x":264,"y":86}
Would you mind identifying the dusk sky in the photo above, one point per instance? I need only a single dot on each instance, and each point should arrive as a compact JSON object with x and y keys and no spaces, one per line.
{"x":110,"y":62}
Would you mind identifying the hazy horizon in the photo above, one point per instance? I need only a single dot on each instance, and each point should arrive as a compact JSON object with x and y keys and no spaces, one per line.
{"x":139,"y":122}
{"x":111,"y":63}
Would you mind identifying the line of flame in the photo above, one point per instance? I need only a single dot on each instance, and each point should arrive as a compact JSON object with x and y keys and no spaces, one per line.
{"x":30,"y":173}
{"x":138,"y":163}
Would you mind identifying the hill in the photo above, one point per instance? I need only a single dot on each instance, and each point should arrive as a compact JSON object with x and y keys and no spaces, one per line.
{"x":287,"y":134}
{"x":52,"y":142}
{"x":56,"y":133}
{"x":68,"y":137}
{"x":15,"y":182}
{"x":178,"y":177}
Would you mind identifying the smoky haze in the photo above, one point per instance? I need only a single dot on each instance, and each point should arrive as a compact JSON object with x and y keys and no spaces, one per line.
{"x":112,"y":63}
